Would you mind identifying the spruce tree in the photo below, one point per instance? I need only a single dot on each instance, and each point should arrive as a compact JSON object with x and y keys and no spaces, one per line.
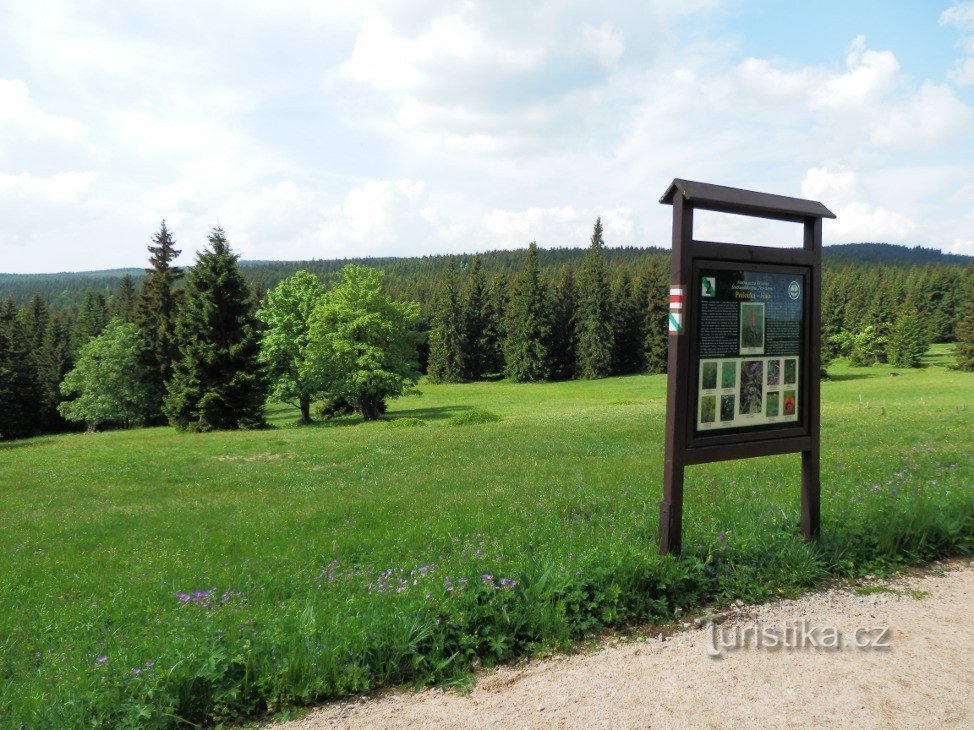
{"x":964,"y":347}
{"x":155,"y":309}
{"x":19,"y":391}
{"x":564,"y":306}
{"x":36,"y":317}
{"x":480,"y":324}
{"x":91,"y":320}
{"x":526,"y":353}
{"x":447,"y":335}
{"x":907,"y":342}
{"x":498,"y":287}
{"x":122,"y":302}
{"x":654,"y":291}
{"x":594,"y":312}
{"x":216,"y":382}
{"x":54,"y":360}
{"x":627,"y":325}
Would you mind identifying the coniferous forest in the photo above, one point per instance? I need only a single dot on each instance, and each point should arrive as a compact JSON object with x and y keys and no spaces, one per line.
{"x":203,"y":348}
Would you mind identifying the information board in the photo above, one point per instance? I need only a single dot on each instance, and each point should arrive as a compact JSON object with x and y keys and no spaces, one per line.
{"x":749,"y":349}
{"x":744,"y":346}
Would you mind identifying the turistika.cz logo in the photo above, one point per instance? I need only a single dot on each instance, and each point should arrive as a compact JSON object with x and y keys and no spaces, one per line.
{"x":795,"y":635}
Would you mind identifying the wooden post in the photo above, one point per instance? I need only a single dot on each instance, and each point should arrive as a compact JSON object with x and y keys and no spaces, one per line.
{"x":677,"y":385}
{"x":811,"y":477}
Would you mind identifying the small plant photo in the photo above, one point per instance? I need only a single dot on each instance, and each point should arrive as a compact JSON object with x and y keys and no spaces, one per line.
{"x":752,"y":386}
{"x":727,"y":408}
{"x":708,"y":375}
{"x":789,"y":403}
{"x":772,"y":405}
{"x":774,"y":372}
{"x":728,"y":374}
{"x":708,"y":409}
{"x":791,"y":371}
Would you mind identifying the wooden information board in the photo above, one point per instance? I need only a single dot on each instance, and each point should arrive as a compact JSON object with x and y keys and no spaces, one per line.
{"x":744,"y":337}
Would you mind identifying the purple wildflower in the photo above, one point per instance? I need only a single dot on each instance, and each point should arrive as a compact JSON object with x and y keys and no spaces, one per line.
{"x":136,"y":671}
{"x":102,"y":659}
{"x":721,"y":536}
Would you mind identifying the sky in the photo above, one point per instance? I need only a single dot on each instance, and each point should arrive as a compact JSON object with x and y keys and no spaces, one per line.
{"x":315,"y":129}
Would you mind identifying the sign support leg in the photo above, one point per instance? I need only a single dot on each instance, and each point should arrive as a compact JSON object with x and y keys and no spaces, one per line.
{"x":811,"y":494}
{"x":671,"y":509}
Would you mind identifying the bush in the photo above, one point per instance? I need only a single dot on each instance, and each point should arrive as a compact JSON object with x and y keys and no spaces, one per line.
{"x":475,"y":416}
{"x":406,"y":422}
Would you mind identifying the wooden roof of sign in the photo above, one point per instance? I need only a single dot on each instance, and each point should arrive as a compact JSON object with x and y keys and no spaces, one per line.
{"x":745,"y":202}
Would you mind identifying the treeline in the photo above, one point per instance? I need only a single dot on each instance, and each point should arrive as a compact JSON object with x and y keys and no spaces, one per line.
{"x":207,"y":343}
{"x":891,"y":314}
{"x":417,"y":277}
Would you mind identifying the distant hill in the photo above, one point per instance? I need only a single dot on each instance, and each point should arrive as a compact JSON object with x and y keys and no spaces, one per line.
{"x":890,"y":254}
{"x":68,"y":288}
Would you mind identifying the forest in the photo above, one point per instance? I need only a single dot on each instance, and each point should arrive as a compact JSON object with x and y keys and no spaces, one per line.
{"x":211,"y":342}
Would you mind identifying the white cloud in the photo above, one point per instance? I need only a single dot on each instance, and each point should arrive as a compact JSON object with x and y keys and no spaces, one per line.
{"x":604,"y":43}
{"x":21,"y":117}
{"x":856,"y":220}
{"x":64,"y":187}
{"x":961,"y":16}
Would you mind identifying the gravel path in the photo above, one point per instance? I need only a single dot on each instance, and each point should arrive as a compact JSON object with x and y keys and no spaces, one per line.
{"x":925,"y":678}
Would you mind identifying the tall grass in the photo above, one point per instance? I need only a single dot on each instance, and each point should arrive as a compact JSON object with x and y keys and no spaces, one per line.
{"x":152,"y":579}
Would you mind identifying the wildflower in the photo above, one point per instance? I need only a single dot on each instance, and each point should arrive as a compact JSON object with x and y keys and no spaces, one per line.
{"x":721,"y":536}
{"x":149,"y":664}
{"x":136,"y":671}
{"x":101,"y":660}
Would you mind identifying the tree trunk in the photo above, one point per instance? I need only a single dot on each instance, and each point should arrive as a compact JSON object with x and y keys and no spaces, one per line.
{"x":368,"y":406}
{"x":305,"y":404}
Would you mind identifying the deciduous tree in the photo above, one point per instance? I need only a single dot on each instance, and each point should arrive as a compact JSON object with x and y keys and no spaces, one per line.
{"x":363,"y":343}
{"x":285,"y":340}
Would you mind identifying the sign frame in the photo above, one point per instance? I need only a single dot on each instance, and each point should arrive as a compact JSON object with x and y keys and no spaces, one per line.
{"x":683,"y":447}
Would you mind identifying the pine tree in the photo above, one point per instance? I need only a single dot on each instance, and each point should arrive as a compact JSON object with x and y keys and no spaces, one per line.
{"x":19,"y":391}
{"x":564,"y":306}
{"x":594,"y":312}
{"x":654,"y":291}
{"x":907,"y":342}
{"x":480,"y":324}
{"x":156,"y":307}
{"x":627,"y":325}
{"x":964,"y":347}
{"x":528,"y":328}
{"x":216,"y":381}
{"x":447,"y":335}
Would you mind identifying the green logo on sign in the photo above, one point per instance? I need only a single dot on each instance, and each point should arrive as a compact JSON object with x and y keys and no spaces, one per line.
{"x":708,"y":286}
{"x":794,"y":290}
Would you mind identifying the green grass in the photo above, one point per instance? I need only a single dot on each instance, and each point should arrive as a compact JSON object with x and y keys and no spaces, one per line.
{"x":306,"y":534}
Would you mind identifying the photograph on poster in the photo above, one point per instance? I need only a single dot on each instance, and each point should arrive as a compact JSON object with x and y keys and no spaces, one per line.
{"x":752,"y":328}
{"x":752,"y":386}
{"x":728,"y":374}
{"x":708,"y":408}
{"x":727,"y":407}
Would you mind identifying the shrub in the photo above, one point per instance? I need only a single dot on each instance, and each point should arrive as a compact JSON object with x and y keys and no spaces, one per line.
{"x":475,"y":416}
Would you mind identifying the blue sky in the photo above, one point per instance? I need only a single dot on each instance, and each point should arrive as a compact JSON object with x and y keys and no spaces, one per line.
{"x":324,"y":129}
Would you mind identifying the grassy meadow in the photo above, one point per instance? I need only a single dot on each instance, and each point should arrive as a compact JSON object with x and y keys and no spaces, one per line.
{"x":151,"y":578}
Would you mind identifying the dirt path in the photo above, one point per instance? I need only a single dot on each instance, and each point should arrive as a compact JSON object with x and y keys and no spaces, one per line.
{"x":924,"y":679}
